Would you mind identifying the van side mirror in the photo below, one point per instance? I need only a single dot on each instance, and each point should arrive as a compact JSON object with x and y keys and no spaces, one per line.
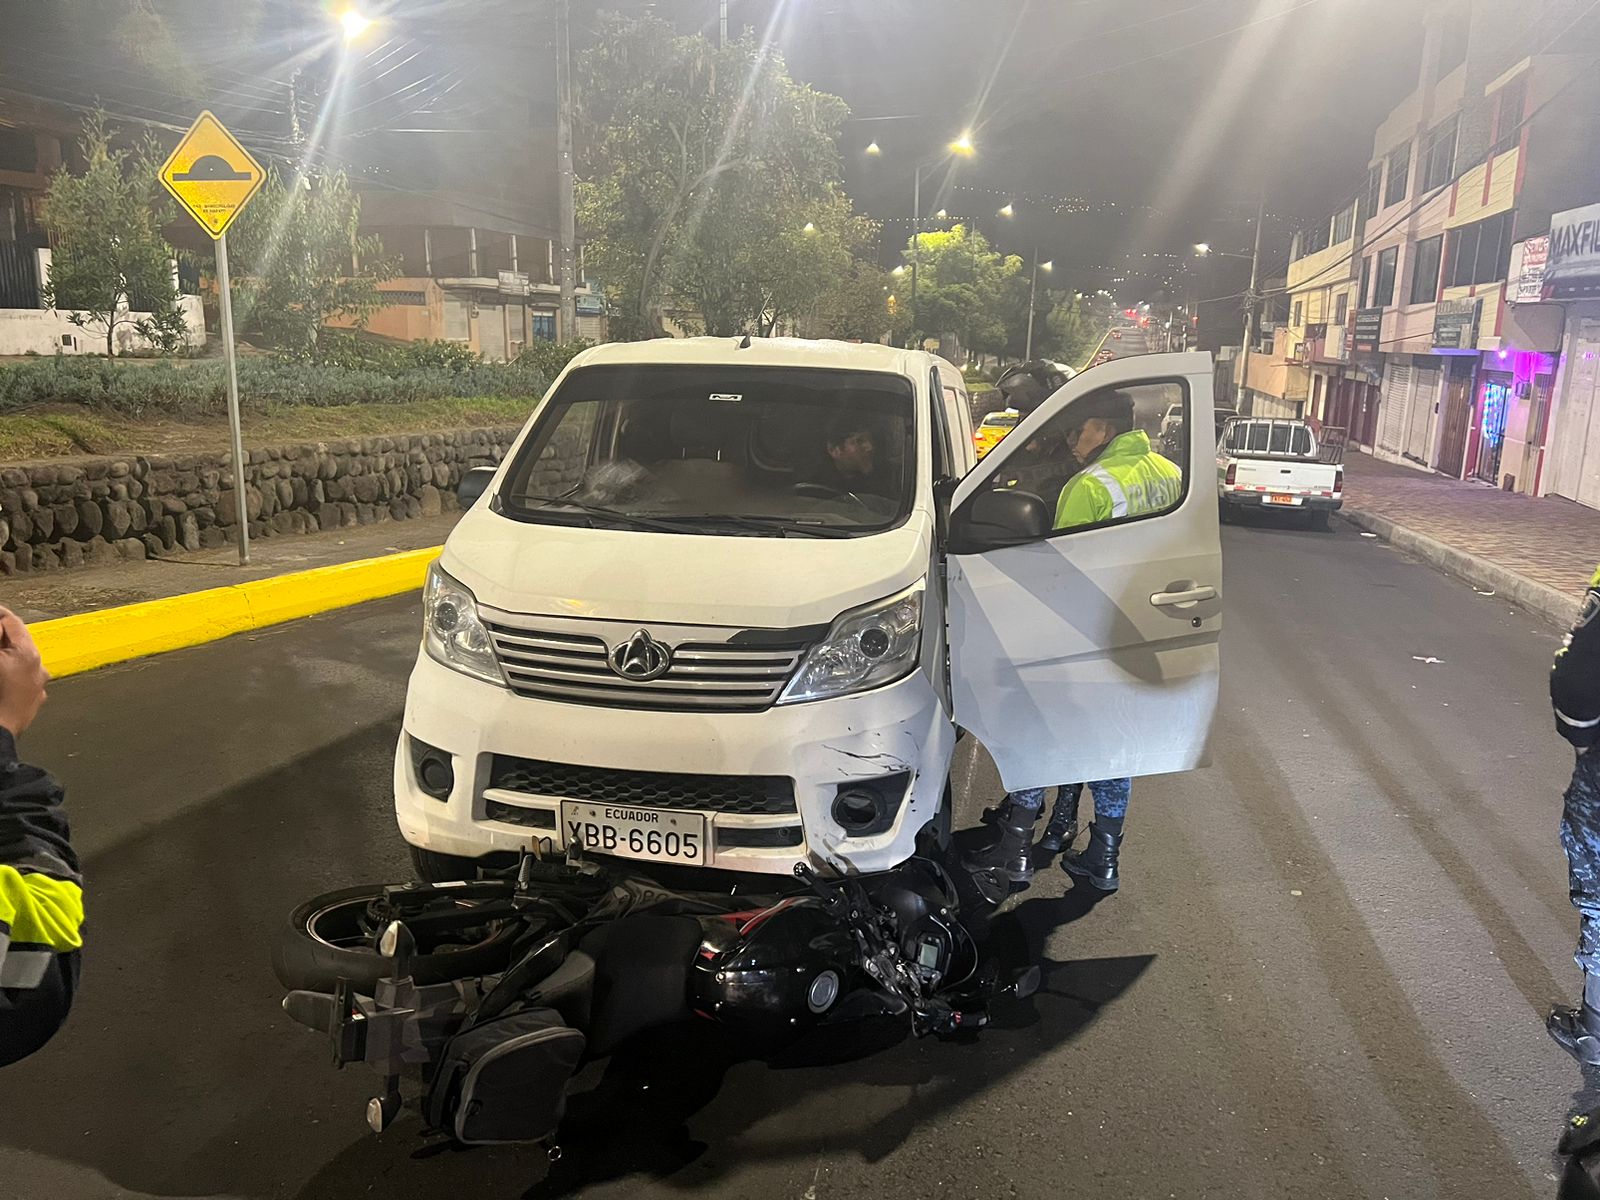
{"x":944,"y":490}
{"x":472,"y":485}
{"x":1002,"y":517}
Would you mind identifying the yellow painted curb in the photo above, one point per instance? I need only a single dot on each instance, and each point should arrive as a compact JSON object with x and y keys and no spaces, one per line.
{"x":72,"y":645}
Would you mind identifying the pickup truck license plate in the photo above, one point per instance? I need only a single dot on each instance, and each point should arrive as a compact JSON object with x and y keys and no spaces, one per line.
{"x":660,"y":835}
{"x":1280,"y":499}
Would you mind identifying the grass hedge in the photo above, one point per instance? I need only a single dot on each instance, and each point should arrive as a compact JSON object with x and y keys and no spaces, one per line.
{"x":392,"y":375}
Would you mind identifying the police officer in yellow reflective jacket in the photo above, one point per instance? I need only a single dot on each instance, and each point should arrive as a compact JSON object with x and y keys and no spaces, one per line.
{"x":1121,"y":477}
{"x":41,"y":898}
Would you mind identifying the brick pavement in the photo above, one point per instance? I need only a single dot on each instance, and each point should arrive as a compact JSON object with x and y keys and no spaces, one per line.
{"x":1552,"y":541}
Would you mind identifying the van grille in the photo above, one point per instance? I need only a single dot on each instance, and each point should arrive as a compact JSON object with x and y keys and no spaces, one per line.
{"x":571,"y":667}
{"x":741,"y":795}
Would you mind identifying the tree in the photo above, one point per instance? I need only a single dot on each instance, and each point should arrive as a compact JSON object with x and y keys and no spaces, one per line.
{"x":701,"y":169}
{"x":962,"y":283}
{"x":297,"y":259}
{"x":109,"y":260}
{"x":1073,"y":327}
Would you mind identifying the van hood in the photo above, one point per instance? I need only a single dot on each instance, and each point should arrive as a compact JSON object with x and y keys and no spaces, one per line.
{"x":687,"y":579}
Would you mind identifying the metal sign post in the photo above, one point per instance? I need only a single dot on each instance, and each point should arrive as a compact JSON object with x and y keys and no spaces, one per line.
{"x":213,"y":177}
{"x":240,"y":508}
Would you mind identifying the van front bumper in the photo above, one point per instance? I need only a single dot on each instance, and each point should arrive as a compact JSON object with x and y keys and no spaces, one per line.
{"x":896,"y":738}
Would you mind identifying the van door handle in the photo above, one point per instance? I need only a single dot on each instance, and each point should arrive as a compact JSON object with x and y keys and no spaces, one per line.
{"x":1178,"y":599}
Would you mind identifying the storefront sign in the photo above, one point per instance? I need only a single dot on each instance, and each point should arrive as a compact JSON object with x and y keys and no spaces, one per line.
{"x":1527,"y":270}
{"x":1368,"y":330}
{"x":1574,"y":259}
{"x":592,"y":305}
{"x":513,"y":283}
{"x":1455,"y":325}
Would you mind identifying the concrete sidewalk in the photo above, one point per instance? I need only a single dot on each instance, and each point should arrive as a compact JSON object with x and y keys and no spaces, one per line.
{"x":1536,"y":553}
{"x":71,"y":592}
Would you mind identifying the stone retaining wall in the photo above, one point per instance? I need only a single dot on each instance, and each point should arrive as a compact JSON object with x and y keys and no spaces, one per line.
{"x":88,"y":511}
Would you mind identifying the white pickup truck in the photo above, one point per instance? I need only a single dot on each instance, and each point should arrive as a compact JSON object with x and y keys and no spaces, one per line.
{"x":1273,"y":464}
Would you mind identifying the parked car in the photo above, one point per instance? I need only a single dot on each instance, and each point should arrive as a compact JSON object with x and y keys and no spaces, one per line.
{"x":680,"y":622}
{"x":1278,"y":465}
{"x":1171,"y":421}
{"x":993,"y":427}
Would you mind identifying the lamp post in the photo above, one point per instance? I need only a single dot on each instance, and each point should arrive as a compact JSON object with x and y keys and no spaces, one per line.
{"x":962,"y":147}
{"x":1033,"y":292}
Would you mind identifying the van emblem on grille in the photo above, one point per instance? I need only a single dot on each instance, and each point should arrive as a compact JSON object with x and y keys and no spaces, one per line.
{"x":640,"y":658}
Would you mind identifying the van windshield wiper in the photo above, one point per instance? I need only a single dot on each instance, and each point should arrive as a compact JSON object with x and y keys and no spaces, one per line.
{"x":782,"y":526}
{"x":601,"y":512}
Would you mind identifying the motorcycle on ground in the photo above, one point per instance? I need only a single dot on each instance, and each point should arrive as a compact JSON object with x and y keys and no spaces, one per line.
{"x":478,"y":1001}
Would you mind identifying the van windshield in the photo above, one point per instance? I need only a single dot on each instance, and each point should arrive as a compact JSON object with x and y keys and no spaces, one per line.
{"x":769,"y":451}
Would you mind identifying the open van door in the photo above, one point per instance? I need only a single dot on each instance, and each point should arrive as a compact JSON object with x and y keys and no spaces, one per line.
{"x":1089,"y":650}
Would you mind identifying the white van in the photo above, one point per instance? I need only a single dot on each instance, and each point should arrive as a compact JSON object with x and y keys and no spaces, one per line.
{"x":726,"y":602}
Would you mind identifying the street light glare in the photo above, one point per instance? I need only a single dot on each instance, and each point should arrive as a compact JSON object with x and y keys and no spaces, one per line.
{"x":1202,"y":248}
{"x":963,"y":145}
{"x":942,"y":214}
{"x":354,"y":23}
{"x":898,"y":271}
{"x":811,"y":227}
{"x":874,"y":149}
{"x":1048,"y":265}
{"x":1008,"y":211}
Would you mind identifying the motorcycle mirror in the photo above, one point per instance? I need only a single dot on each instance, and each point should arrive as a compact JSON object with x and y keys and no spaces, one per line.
{"x":1027,"y":983}
{"x":990,"y":887}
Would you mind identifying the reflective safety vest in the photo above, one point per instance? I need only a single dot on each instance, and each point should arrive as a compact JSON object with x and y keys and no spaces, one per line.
{"x":1129,"y":479}
{"x":41,"y":907}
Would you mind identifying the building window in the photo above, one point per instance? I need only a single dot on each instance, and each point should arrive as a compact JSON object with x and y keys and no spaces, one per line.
{"x":1366,"y":281}
{"x":1314,"y":239}
{"x":1374,"y":189}
{"x":1383,"y":286}
{"x":1480,"y":253}
{"x":1299,"y":310}
{"x":18,"y":151}
{"x":1341,"y":308}
{"x":1344,"y":224}
{"x":457,"y":321}
{"x":398,"y":296}
{"x":1508,"y":115}
{"x":1425,"y":270}
{"x":1439,"y":155}
{"x":544,"y":326}
{"x":1399,"y":173}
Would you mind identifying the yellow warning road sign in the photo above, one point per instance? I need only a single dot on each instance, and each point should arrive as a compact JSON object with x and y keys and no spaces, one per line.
{"x":211,"y":174}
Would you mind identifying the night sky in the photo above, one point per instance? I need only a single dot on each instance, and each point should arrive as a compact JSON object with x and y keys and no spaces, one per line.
{"x":1122,"y":132}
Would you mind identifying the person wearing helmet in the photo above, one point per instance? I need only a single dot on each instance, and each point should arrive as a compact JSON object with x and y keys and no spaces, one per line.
{"x":1122,"y":477}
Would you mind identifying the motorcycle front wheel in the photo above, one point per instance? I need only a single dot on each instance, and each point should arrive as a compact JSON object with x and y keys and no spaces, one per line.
{"x":331,"y":937}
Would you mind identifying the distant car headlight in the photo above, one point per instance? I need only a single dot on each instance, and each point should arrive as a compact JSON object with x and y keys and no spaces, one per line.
{"x":452,"y":633}
{"x":866,"y":648}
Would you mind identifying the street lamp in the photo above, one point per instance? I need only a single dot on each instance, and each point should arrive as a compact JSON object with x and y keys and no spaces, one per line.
{"x":962,"y":147}
{"x":811,"y":227}
{"x":1008,"y":211}
{"x":942,"y":215}
{"x":873,"y":149}
{"x":355,"y":24}
{"x":1033,"y":291}
{"x":1202,"y":248}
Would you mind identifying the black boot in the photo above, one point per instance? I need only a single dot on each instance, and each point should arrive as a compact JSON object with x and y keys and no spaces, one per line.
{"x":999,"y":812}
{"x":1096,"y":863}
{"x":1577,"y":1030}
{"x":1008,"y":850}
{"x":1063,"y":828}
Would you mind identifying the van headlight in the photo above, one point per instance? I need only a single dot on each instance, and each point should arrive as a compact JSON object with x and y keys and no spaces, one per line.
{"x":866,"y":648}
{"x":452,"y":634}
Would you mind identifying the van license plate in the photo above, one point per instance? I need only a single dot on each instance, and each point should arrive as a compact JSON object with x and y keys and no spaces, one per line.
{"x":1277,"y":499}
{"x":660,"y":835}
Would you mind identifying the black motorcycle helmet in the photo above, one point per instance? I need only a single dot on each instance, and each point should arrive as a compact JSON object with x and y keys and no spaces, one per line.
{"x":1028,"y":385}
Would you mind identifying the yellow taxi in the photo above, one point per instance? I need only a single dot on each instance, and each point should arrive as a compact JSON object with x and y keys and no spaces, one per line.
{"x":993,"y":428}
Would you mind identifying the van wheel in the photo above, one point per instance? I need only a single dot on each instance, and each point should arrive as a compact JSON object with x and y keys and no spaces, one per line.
{"x":442,"y":868}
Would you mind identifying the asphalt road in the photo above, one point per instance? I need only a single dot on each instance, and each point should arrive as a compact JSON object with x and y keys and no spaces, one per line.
{"x":1325,"y":974}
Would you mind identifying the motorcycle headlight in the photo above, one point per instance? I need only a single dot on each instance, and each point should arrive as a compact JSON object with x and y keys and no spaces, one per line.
{"x":866,"y":648}
{"x":452,"y":634}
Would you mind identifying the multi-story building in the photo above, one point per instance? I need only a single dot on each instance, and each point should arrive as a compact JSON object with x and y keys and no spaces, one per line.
{"x":1436,"y":365}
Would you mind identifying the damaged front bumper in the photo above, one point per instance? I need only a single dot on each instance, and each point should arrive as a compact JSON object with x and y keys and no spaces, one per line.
{"x":894,"y":742}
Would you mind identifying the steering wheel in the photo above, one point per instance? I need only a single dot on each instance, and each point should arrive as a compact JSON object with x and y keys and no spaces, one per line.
{"x":821,"y":491}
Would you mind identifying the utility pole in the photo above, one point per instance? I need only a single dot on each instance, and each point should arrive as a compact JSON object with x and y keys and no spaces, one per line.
{"x":722,"y":23}
{"x":916,"y":244}
{"x":1250,"y":306}
{"x":567,"y":257}
{"x":1033,"y":292}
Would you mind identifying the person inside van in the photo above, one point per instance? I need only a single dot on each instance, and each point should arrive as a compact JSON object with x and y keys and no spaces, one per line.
{"x":849,"y":465}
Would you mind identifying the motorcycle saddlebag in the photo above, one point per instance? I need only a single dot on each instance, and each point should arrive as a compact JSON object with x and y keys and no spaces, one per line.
{"x":505,"y":1080}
